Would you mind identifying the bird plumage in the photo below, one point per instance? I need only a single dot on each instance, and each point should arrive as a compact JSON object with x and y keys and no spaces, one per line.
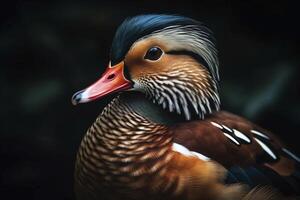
{"x":124,"y":152}
{"x":186,"y":34}
{"x":166,"y":138}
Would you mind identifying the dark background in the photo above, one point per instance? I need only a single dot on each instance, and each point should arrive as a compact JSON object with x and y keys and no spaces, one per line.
{"x":50,"y":50}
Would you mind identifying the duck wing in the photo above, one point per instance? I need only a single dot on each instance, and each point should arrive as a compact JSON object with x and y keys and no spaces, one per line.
{"x":251,"y":154}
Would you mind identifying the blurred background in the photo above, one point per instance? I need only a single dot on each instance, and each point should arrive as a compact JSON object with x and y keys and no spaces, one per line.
{"x":52,"y":49}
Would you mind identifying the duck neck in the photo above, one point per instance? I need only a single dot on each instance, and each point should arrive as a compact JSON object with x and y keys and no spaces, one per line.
{"x":155,"y":113}
{"x":129,"y":120}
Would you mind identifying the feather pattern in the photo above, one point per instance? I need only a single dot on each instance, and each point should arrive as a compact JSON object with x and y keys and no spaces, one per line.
{"x":181,"y":32}
{"x":125,"y":155}
{"x":129,"y":154}
{"x":119,"y":148}
{"x":190,"y":38}
{"x":184,"y":90}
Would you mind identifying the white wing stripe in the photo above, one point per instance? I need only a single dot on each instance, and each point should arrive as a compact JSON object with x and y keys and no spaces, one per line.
{"x":291,"y":154}
{"x":241,"y":136}
{"x":183,"y":150}
{"x":228,"y":129}
{"x":260,"y":134}
{"x":266,"y":148}
{"x":216,"y":125}
{"x":231,"y":138}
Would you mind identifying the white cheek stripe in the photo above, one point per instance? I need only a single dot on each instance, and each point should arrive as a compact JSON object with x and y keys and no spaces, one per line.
{"x":228,"y":129}
{"x":241,"y":136}
{"x":231,"y":138}
{"x":260,"y":134}
{"x":266,"y":148}
{"x":216,"y":125}
{"x":291,"y":154}
{"x":183,"y":150}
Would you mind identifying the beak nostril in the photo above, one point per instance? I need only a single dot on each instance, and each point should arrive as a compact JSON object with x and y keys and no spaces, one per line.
{"x":111,"y":76}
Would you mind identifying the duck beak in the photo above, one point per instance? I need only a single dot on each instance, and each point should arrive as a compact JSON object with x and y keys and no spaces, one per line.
{"x":112,"y":80}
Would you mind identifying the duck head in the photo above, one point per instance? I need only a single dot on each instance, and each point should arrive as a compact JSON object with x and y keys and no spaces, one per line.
{"x":171,"y":59}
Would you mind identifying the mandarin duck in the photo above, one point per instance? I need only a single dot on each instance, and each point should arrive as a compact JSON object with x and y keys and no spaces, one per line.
{"x":163,"y":136}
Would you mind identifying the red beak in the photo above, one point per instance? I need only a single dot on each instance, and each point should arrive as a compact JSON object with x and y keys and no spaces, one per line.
{"x":113,"y":80}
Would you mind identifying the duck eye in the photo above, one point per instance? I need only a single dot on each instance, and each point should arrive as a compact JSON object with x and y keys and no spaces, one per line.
{"x":154,"y":53}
